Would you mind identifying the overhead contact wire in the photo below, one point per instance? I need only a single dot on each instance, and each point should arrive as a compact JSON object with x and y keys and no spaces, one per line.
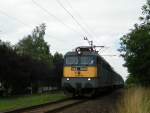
{"x":55,"y":17}
{"x":90,"y":31}
{"x":21,"y":22}
{"x":14,"y":18}
{"x":82,"y":28}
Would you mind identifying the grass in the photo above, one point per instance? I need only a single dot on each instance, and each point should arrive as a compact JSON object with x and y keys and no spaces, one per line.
{"x":30,"y":100}
{"x":135,"y":100}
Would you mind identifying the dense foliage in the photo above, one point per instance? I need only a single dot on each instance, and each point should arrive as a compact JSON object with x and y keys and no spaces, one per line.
{"x":135,"y":49}
{"x":29,"y":65}
{"x":35,"y":46}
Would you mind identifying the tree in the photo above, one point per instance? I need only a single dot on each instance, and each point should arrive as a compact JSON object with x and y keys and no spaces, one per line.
{"x":35,"y":46}
{"x":58,"y":68}
{"x":19,"y":72}
{"x":11,"y":72}
{"x":135,"y":49}
{"x":29,"y":64}
{"x":145,"y":18}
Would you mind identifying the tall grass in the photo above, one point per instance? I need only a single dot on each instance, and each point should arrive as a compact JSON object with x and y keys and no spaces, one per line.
{"x":135,"y":100}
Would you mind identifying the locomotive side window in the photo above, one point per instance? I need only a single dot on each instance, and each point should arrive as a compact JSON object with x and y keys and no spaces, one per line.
{"x":71,"y":60}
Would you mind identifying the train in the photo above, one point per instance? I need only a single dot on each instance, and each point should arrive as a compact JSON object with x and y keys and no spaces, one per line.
{"x":87,"y":73}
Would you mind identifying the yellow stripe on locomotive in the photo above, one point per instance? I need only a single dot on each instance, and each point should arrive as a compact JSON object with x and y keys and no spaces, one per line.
{"x":85,"y":71}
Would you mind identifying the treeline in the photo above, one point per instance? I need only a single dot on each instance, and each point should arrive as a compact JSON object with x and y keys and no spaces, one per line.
{"x":135,"y":49}
{"x":29,"y":65}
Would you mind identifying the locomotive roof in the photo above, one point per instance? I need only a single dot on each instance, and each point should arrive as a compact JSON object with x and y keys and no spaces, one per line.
{"x":83,"y":53}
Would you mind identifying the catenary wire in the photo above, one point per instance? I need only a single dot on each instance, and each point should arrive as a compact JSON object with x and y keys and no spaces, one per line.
{"x":14,"y":18}
{"x":55,"y":17}
{"x":80,"y":17}
{"x":72,"y":16}
{"x":21,"y":22}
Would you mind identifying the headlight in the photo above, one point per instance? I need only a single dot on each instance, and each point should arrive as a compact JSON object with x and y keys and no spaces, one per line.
{"x":89,"y":79}
{"x":67,"y":78}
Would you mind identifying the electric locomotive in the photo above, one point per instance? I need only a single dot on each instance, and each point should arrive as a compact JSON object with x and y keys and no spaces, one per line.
{"x":85,"y":72}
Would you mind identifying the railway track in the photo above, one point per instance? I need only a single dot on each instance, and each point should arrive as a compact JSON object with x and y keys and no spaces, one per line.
{"x":51,"y":107}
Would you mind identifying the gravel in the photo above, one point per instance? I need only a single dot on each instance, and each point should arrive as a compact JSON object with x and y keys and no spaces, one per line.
{"x":103,"y":104}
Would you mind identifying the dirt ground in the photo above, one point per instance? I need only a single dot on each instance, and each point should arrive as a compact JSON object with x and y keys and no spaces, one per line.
{"x":105,"y":103}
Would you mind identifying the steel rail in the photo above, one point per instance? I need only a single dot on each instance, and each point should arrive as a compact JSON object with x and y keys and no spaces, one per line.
{"x":19,"y":110}
{"x":51,"y":107}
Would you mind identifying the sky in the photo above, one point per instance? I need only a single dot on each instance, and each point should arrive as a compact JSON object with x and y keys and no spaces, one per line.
{"x":68,"y":21}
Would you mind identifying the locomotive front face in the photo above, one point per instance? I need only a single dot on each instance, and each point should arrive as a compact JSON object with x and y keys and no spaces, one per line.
{"x":80,"y":72}
{"x":80,"y":66}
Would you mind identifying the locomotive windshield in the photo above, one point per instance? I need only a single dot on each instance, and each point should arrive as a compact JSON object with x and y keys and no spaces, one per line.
{"x":72,"y":60}
{"x":86,"y":60}
{"x":80,"y":60}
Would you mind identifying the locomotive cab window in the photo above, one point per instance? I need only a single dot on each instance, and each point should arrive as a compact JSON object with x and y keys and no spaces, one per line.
{"x":87,"y":60}
{"x":70,"y":60}
{"x":80,"y":60}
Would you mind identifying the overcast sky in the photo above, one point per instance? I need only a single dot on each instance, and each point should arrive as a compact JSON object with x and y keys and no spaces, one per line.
{"x":103,"y":21}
